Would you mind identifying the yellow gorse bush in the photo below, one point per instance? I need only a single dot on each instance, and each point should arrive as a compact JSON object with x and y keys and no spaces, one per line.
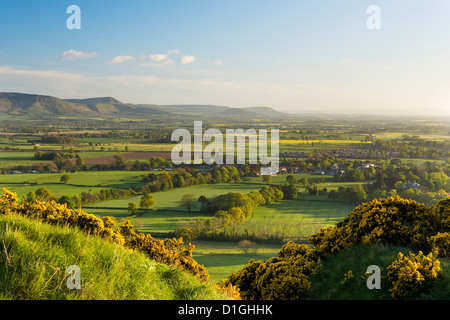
{"x":284,"y":277}
{"x":170,"y":251}
{"x":441,"y":243}
{"x":411,"y":273}
{"x":392,"y":221}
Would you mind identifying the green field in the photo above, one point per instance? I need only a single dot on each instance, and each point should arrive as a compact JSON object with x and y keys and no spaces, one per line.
{"x":285,"y":219}
{"x":80,"y":182}
{"x":170,"y":200}
{"x":223,"y":258}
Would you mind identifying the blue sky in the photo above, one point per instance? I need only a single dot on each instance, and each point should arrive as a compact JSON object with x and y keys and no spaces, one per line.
{"x":295,"y":56}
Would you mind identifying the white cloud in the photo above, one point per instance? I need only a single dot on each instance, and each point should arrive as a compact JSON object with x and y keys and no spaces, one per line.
{"x":73,"y":54}
{"x":164,"y":59}
{"x":121,"y":59}
{"x":187,"y":59}
{"x":217,"y":62}
{"x":175,"y":51}
{"x":167,"y":62}
{"x":158,"y":57}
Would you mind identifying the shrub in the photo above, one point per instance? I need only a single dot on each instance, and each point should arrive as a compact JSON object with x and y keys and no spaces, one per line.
{"x":169,"y":251}
{"x":392,"y":221}
{"x":229,"y":290}
{"x":412,"y":274}
{"x":186,"y":233}
{"x":441,"y":244}
{"x":283,"y":277}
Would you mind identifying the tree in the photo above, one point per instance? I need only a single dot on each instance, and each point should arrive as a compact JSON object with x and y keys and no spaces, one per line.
{"x":30,"y":196}
{"x":236,"y":214}
{"x":291,"y":179}
{"x":313,"y":190}
{"x":333,"y":194}
{"x":68,"y":201}
{"x":247,"y":245}
{"x":205,"y":204}
{"x":178,"y":181}
{"x":65,"y":179}
{"x":120,"y":161}
{"x":187,"y":200}
{"x":289,"y":191}
{"x":267,"y":179}
{"x":79,"y":162}
{"x":132,"y":207}
{"x":43,"y":193}
{"x":147,"y":200}
{"x":304,"y":181}
{"x":236,"y":178}
{"x":164,"y":186}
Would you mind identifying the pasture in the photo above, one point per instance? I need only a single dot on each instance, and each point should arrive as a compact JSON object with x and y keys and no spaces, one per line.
{"x":223,"y":258}
{"x":80,"y":181}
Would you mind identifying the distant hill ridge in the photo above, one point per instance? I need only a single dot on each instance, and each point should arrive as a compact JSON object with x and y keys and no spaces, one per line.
{"x":33,"y":105}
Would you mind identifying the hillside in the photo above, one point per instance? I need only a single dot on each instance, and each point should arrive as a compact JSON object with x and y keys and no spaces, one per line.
{"x":41,"y":239}
{"x":33,"y":106}
{"x":20,"y":104}
{"x":406,"y":241}
{"x":35,"y":256}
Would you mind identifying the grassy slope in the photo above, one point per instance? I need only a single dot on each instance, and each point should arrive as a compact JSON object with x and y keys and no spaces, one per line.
{"x":34,"y":257}
{"x":330,"y":283}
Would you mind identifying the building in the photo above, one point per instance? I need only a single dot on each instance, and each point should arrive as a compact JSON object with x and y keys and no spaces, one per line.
{"x":411,"y":185}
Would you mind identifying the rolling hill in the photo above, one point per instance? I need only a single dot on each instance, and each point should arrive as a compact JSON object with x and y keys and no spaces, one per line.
{"x":21,"y":104}
{"x":33,"y":106}
{"x":36,"y":255}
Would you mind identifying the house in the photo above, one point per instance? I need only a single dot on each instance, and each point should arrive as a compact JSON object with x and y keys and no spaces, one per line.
{"x":13,"y":172}
{"x":268,"y":171}
{"x":367,"y":166}
{"x":411,"y":185}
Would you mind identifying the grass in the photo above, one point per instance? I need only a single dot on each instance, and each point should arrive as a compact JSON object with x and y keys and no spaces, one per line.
{"x":295,"y":211}
{"x":171,"y":200}
{"x":159,"y":221}
{"x":330,"y":283}
{"x":291,"y":218}
{"x":34,"y":258}
{"x":223,"y":258}
{"x":288,"y":218}
{"x":322,"y":141}
{"x":80,"y":181}
{"x":9,"y":156}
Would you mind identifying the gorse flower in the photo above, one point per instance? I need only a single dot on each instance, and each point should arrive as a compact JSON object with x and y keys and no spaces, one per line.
{"x":169,"y":251}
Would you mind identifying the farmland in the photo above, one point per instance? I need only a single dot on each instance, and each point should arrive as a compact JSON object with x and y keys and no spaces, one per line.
{"x":121,"y":156}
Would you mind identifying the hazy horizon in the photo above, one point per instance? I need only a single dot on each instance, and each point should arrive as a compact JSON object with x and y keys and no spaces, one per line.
{"x":294,"y":57}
